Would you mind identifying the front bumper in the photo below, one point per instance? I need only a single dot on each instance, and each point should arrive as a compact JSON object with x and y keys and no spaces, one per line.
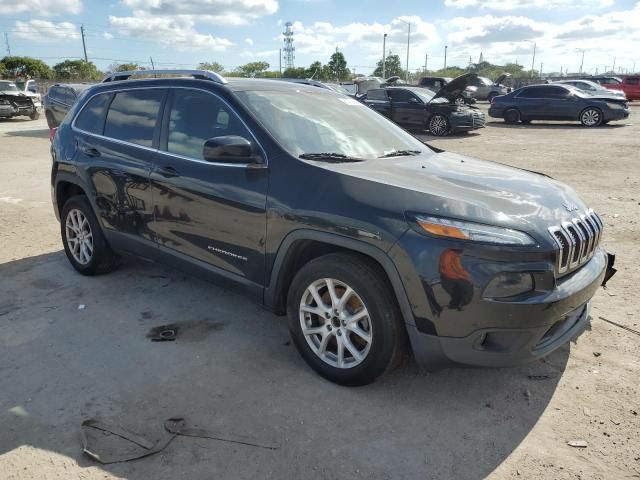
{"x":617,"y":114}
{"x":456,"y":324}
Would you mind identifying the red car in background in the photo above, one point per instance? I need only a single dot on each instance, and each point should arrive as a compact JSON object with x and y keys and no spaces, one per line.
{"x":629,"y":84}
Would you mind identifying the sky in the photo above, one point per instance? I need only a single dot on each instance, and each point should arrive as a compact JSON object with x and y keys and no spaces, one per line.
{"x":181,"y":34}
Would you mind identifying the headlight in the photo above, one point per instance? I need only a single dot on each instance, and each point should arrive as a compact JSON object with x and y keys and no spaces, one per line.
{"x":614,"y":106}
{"x":476,"y":232}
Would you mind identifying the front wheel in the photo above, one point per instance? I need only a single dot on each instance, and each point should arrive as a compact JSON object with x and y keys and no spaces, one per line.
{"x":35,"y":115}
{"x":439,"y":125}
{"x":512,"y":116}
{"x":344,"y":320}
{"x":591,"y":117}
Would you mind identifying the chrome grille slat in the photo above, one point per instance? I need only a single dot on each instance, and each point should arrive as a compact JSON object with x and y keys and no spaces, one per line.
{"x":577,"y":240}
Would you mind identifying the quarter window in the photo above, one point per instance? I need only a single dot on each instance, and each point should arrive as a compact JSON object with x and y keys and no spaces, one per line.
{"x":91,"y":118}
{"x":133,"y":116}
{"x":195,"y":118}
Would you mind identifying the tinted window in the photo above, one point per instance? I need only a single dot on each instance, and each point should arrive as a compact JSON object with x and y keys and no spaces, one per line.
{"x":544,"y":92}
{"x":53,"y":93}
{"x":195,"y":118}
{"x":67,"y":96}
{"x":132,"y":116}
{"x":91,"y":118}
{"x":377,"y":94}
{"x":401,"y":95}
{"x":633,"y":81}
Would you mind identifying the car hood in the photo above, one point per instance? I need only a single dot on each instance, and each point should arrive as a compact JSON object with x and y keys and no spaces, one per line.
{"x":608,"y":97}
{"x":12,"y":92}
{"x":455,"y":87}
{"x":465,"y":188}
{"x":501,"y":78}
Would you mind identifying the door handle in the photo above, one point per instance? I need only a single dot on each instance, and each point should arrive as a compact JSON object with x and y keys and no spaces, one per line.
{"x":91,"y":152}
{"x":168,"y":172}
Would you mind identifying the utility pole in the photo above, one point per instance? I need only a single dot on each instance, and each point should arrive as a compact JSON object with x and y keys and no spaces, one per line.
{"x":408,"y":39}
{"x":541,"y":69}
{"x":426,"y":61}
{"x":84,"y":46}
{"x":152,"y":65}
{"x":384,"y":55}
{"x":533,"y":60}
{"x":582,"y":62}
{"x":445,"y":56}
{"x":6,"y":41}
{"x":613,"y":69}
{"x":280,"y":56}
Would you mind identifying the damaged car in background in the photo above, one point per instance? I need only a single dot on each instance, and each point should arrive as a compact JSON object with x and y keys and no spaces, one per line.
{"x":14,"y":103}
{"x":420,"y":108}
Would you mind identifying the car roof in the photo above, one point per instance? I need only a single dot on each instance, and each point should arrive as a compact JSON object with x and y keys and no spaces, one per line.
{"x":78,"y":87}
{"x":411,"y":89}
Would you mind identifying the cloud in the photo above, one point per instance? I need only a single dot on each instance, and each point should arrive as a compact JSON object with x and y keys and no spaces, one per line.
{"x":43,"y":30}
{"x":490,"y":29}
{"x":249,"y":41}
{"x":522,"y":4}
{"x":220,"y":12}
{"x":177,"y":31}
{"x":40,"y":7}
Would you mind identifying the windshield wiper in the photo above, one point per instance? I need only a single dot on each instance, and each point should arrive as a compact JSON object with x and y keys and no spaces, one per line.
{"x":330,"y":157}
{"x":401,"y":153}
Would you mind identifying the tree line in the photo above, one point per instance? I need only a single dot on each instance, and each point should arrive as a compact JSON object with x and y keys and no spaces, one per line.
{"x":335,"y":70}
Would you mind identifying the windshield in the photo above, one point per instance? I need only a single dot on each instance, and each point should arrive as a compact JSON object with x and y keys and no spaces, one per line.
{"x":8,"y":86}
{"x":303,"y":121}
{"x":485,"y":81}
{"x":349,"y":87}
{"x":337,"y":88}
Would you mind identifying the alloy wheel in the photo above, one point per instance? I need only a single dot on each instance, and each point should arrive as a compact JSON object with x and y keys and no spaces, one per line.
{"x":438,"y":125}
{"x":591,"y":117}
{"x":335,"y":323}
{"x":459,"y":101}
{"x":79,"y":236}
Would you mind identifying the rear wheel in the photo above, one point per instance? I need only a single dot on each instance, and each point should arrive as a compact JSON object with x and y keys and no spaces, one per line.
{"x":439,"y":125}
{"x":84,"y":242}
{"x":35,"y":115}
{"x":512,"y":116}
{"x":591,"y":117}
{"x":344,"y":320}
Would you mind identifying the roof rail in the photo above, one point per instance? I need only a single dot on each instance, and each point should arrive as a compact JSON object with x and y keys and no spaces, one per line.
{"x":199,"y":74}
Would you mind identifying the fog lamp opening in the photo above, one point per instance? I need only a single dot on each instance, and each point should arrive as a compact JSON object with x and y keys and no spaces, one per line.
{"x":509,"y":284}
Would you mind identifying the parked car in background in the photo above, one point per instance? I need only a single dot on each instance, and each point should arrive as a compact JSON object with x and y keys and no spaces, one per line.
{"x":629,"y":84}
{"x":592,"y":87}
{"x":436,"y":83}
{"x":558,"y":102}
{"x":323,"y":210}
{"x":486,"y":89}
{"x":420,"y":108}
{"x":30,"y":89}
{"x":59,"y":99}
{"x":364,"y":84}
{"x":14,"y":103}
{"x":349,"y":87}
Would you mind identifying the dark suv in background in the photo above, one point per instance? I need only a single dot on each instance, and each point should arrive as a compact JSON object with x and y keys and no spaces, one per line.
{"x":59,"y":99}
{"x":326,"y":211}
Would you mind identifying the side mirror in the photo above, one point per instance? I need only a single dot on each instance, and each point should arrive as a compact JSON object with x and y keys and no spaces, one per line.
{"x":413,"y":100}
{"x":230,"y":149}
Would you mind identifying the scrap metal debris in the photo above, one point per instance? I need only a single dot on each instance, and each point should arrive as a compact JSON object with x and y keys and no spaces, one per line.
{"x":624,"y":327}
{"x":173,"y":427}
{"x":577,"y":444}
{"x":163,"y":333}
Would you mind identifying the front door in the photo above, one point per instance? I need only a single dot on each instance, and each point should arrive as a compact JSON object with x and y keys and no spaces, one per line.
{"x":406,"y":108}
{"x":211,"y":212}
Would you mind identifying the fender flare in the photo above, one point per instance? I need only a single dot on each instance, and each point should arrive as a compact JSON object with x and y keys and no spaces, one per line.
{"x":274,"y":287}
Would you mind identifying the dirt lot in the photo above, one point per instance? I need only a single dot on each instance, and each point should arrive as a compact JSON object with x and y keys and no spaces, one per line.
{"x":233,"y":368}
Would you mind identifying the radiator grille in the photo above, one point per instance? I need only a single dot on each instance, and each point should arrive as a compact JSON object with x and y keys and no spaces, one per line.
{"x":576,"y":240}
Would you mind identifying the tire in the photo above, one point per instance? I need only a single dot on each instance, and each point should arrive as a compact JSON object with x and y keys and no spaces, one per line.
{"x":35,"y":115}
{"x":511,"y":116}
{"x":380,"y":340}
{"x":78,"y":220}
{"x":526,"y":122}
{"x":439,"y":125}
{"x":591,"y":117}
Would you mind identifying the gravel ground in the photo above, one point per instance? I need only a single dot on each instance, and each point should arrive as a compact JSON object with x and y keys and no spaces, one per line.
{"x":233,"y":369}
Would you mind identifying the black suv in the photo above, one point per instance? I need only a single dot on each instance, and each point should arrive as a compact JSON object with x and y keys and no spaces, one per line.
{"x":324,"y":210}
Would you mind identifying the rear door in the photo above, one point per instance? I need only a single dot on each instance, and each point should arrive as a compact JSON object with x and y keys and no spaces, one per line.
{"x":209,"y":212}
{"x":116,"y":151}
{"x":378,"y":100}
{"x":631,"y":87}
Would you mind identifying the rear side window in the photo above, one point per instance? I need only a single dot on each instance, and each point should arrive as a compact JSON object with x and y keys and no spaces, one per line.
{"x":544,"y":92}
{"x":633,"y":81}
{"x":133,"y":116}
{"x":91,"y":118}
{"x":378,"y":94}
{"x":196,"y":117}
{"x":53,"y":93}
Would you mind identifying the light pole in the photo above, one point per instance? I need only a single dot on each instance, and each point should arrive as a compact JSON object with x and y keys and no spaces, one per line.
{"x":384,"y":54}
{"x":445,"y":56}
{"x":408,"y":40}
{"x":581,"y":61}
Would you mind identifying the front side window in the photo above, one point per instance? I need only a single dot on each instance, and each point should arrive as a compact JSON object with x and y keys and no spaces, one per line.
{"x":133,"y":116}
{"x":91,"y":118}
{"x":196,"y":117}
{"x":401,"y":95}
{"x":378,"y":94}
{"x":305,"y":121}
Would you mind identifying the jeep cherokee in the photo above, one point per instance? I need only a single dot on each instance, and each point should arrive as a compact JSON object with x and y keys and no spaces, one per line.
{"x":326,"y":211}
